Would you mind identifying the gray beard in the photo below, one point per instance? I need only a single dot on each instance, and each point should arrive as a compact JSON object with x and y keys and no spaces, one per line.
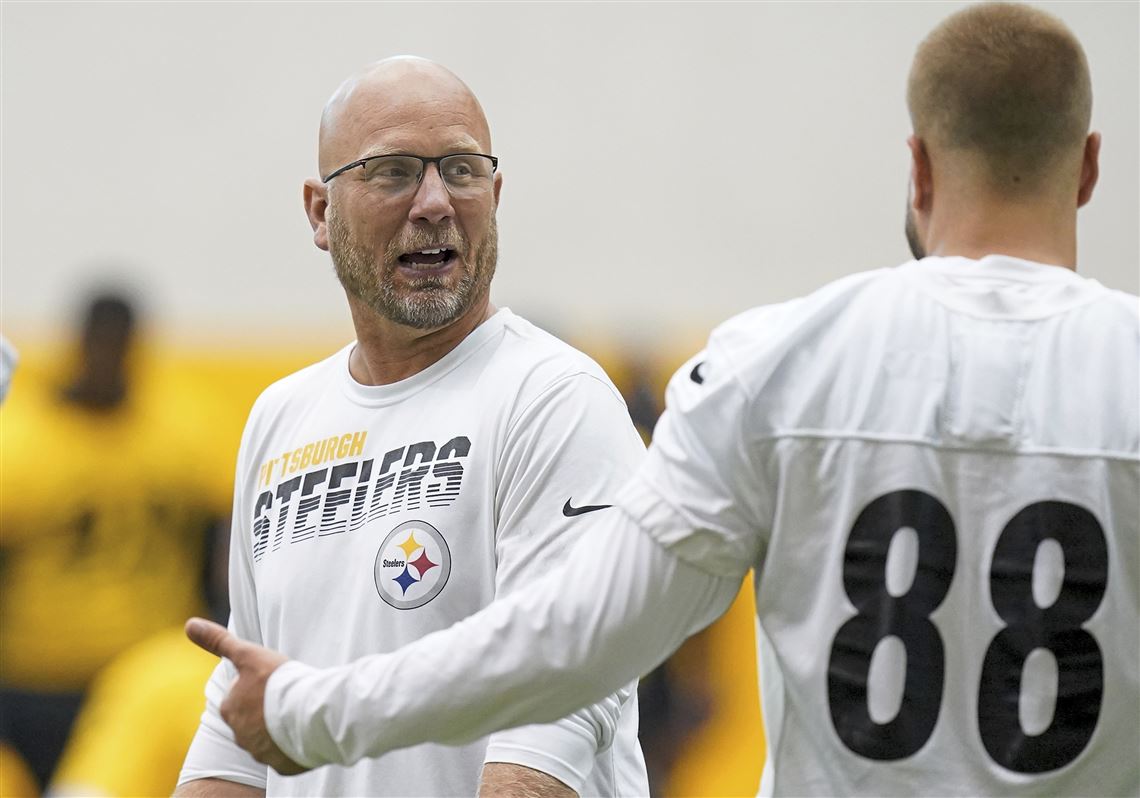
{"x":423,"y":304}
{"x":429,"y":305}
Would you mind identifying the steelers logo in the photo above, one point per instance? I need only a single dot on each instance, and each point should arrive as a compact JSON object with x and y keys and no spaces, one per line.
{"x":412,"y":565}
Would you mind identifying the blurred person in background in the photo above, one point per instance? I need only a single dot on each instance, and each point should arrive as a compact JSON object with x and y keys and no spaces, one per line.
{"x":15,"y":777}
{"x":446,"y":457}
{"x":675,"y":698}
{"x":143,"y":708}
{"x":933,"y":469}
{"x":102,"y":528}
{"x":701,"y":725}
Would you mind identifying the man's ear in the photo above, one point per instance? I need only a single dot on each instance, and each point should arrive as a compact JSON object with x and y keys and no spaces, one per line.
{"x":921,"y":175}
{"x":1090,"y":169}
{"x":498,"y":186}
{"x":316,"y":206}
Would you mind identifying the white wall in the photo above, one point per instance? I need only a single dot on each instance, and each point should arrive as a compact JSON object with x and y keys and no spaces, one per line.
{"x":169,"y":141}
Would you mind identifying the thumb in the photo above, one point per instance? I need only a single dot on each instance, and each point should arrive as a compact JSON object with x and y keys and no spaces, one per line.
{"x":213,"y":637}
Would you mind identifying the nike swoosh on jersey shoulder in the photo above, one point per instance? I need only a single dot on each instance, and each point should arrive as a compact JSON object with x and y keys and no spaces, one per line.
{"x":570,"y":511}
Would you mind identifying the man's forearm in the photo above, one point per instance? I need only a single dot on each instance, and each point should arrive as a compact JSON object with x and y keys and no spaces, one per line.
{"x":507,"y":780}
{"x":619,"y":608}
{"x":217,"y":788}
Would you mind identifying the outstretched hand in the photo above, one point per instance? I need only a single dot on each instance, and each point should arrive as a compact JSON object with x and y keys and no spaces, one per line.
{"x":244,"y":706}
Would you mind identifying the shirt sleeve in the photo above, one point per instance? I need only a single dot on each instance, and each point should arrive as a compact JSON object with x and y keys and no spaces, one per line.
{"x":213,"y":752}
{"x":618,"y":605}
{"x":568,"y":451}
{"x":702,"y":492}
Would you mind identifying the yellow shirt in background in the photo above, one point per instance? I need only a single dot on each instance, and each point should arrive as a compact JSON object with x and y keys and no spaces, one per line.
{"x":103,"y":516}
{"x":138,"y":720}
{"x":726,"y":755}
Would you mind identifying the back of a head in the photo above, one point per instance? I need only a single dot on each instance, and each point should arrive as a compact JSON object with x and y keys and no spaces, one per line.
{"x":109,"y":316}
{"x":105,"y":336}
{"x":1006,"y":84}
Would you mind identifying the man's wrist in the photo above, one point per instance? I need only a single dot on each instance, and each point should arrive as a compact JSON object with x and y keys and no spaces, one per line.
{"x":283,"y":709}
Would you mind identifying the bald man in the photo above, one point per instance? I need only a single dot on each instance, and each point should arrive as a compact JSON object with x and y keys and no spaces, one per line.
{"x":934,"y":470}
{"x":446,"y":457}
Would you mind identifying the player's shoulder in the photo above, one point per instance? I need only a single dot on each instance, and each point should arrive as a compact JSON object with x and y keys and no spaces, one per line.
{"x":296,"y":390}
{"x":1125,"y":307}
{"x":533,"y":360}
{"x":1110,"y":322}
{"x":745,"y":352}
{"x":303,"y":381}
{"x":762,"y":330}
{"x":34,"y":416}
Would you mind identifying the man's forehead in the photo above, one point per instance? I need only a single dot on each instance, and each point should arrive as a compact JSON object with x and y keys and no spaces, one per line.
{"x":399,"y":106}
{"x":410,"y":134}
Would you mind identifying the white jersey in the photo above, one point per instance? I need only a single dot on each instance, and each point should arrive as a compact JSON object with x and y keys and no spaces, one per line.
{"x":935,"y":471}
{"x":367,"y":517}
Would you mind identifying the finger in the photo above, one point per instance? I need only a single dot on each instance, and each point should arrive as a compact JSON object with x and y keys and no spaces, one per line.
{"x":213,"y":637}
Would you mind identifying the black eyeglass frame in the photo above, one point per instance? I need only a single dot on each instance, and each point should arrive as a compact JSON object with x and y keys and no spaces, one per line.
{"x":420,"y":158}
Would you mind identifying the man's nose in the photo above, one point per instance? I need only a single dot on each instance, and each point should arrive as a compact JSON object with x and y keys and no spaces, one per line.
{"x":432,"y":202}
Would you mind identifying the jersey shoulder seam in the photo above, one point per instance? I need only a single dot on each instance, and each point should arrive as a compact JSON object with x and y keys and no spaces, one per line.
{"x":870,"y":437}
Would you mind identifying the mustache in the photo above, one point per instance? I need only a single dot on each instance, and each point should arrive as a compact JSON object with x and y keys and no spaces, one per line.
{"x":416,"y":238}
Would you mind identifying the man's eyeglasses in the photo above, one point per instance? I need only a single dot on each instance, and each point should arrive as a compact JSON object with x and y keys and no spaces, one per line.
{"x":465,"y":174}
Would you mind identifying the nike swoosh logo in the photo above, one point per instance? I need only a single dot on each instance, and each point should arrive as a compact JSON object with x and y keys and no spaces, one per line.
{"x":695,"y":375}
{"x":570,"y":511}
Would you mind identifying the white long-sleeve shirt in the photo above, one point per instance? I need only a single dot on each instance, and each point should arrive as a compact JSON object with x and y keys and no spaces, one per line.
{"x":935,"y":472}
{"x":368,"y":516}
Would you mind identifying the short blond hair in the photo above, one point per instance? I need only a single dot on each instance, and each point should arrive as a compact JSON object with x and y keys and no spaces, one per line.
{"x":1006,"y":82}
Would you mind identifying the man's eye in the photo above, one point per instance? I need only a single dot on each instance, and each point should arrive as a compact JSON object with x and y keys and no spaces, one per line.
{"x":391,"y":173}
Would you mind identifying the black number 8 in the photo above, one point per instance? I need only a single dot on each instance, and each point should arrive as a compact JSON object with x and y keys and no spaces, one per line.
{"x":1056,"y":628}
{"x":1080,"y":667}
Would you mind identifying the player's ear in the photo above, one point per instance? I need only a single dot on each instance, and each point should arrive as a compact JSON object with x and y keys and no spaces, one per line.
{"x":1090,"y":169}
{"x":921,"y":175}
{"x":316,"y":205}
{"x":498,"y":184}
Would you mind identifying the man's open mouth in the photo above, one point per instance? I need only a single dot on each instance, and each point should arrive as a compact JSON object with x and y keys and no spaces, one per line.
{"x":429,"y":258}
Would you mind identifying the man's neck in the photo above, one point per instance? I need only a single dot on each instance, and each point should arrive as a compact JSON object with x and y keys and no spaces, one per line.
{"x":388,"y":352}
{"x":976,"y":227}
